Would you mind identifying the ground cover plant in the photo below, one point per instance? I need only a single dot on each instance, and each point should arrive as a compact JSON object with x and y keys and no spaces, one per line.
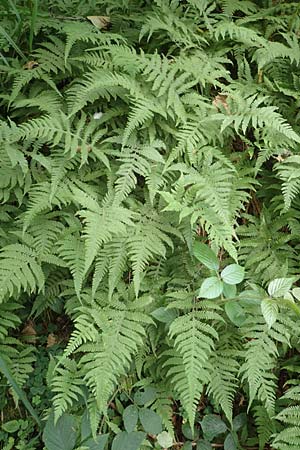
{"x":149,"y":225}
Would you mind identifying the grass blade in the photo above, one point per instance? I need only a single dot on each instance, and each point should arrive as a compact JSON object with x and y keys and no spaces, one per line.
{"x":20,"y":393}
{"x":12,"y":42}
{"x":32,"y":23}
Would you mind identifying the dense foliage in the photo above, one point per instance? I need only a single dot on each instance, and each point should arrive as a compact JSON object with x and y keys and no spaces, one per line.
{"x":150,"y":224}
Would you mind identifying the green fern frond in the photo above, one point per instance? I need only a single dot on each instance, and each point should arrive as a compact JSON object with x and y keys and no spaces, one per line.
{"x":194,"y":340}
{"x":109,"y":351}
{"x":71,"y":250}
{"x":289,"y":437}
{"x":101,"y":223}
{"x":264,"y":424}
{"x":67,"y":386}
{"x":223,"y":381}
{"x":8,"y":319}
{"x":19,"y":270}
{"x":289,"y":172}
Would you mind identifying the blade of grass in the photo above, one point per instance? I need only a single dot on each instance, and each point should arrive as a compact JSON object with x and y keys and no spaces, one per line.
{"x":15,"y":10}
{"x":11,"y":41}
{"x":4,"y":59}
{"x":20,"y":393}
{"x":34,"y":13}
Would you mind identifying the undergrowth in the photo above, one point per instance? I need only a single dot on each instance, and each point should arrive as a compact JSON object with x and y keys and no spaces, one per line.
{"x":150,"y":219}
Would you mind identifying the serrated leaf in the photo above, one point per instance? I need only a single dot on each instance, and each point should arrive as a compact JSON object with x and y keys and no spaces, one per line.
{"x":296,"y":293}
{"x":96,"y":444}
{"x":229,"y":290}
{"x":280,"y":287}
{"x":239,"y":421}
{"x":235,"y":313}
{"x":150,"y":421}
{"x":269,"y":310}
{"x":130,"y":418}
{"x":229,"y":443}
{"x":203,"y":445}
{"x":128,"y":441}
{"x":165,"y":440}
{"x":164,"y":315}
{"x":212,"y":426}
{"x":147,"y":396}
{"x":189,"y":433}
{"x":205,"y":255}
{"x":211,"y":287}
{"x":233,"y":274}
{"x":62,"y":435}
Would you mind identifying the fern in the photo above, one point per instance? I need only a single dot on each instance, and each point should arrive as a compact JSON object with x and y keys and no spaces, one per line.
{"x":194,"y":338}
{"x":19,"y":269}
{"x":265,"y":426}
{"x":126,"y":143}
{"x":109,"y":351}
{"x":289,"y":437}
{"x":223,"y":367}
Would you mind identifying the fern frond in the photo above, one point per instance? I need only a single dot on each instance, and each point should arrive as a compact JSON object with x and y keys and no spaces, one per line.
{"x":19,"y":270}
{"x":224,"y":367}
{"x":71,"y":250}
{"x":289,"y":437}
{"x":108,"y":353}
{"x":265,"y":426}
{"x":289,"y":172}
{"x":194,"y":340}
{"x":67,"y":386}
{"x":8,"y":319}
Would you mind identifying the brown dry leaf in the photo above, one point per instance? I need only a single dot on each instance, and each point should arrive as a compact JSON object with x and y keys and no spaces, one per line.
{"x":29,"y":333}
{"x":51,"y":340}
{"x":220,"y":99}
{"x":30,"y":65}
{"x":101,"y":22}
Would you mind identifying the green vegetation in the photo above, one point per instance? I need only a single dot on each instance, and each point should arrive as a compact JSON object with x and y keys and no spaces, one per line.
{"x":150,"y":225}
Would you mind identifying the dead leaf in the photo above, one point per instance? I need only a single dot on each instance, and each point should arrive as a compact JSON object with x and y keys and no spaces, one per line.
{"x":51,"y":340}
{"x":29,"y":333}
{"x":30,"y":65}
{"x":220,"y":99}
{"x":101,"y":22}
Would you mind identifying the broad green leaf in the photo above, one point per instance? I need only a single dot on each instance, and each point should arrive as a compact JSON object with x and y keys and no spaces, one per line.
{"x":62,"y":435}
{"x":187,"y":446}
{"x":130,"y":418}
{"x":188,"y":433}
{"x":269,"y":310}
{"x":249,"y":298}
{"x":211,"y":287}
{"x":165,"y":440}
{"x":239,"y":421}
{"x":280,"y":287}
{"x":229,"y":290}
{"x":205,"y":255}
{"x":128,"y":441}
{"x":150,"y":421}
{"x":164,"y":315}
{"x":233,"y":274}
{"x":11,"y":427}
{"x":96,"y":444}
{"x":235,"y":313}
{"x":296,"y":293}
{"x":141,"y":398}
{"x":203,"y":445}
{"x":212,"y":426}
{"x":85,"y":426}
{"x":229,"y":443}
